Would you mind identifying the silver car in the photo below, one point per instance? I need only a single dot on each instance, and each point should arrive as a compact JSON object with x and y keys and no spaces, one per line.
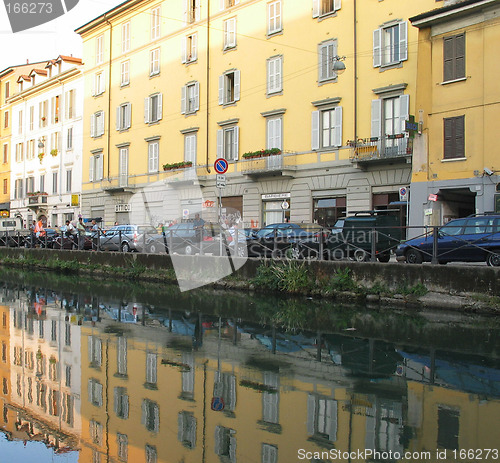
{"x":128,"y":238}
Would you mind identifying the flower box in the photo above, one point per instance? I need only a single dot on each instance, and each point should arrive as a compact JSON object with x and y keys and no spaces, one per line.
{"x":262,"y":153}
{"x":177,"y":165}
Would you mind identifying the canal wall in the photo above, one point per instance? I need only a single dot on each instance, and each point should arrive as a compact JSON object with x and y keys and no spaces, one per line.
{"x":447,"y":279}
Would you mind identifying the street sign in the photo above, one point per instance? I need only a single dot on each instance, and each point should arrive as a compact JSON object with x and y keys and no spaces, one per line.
{"x":403,"y":194}
{"x":432,"y":197}
{"x":220,"y":181}
{"x":221,"y":166}
{"x":217,"y":404}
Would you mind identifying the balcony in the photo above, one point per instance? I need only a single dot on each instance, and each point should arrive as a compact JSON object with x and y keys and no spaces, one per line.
{"x":37,"y":200}
{"x":276,"y":165}
{"x":389,"y":149}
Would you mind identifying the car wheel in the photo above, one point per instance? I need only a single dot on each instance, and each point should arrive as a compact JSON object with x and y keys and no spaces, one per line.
{"x":493,"y":259}
{"x":125,"y":247}
{"x":153,"y":248}
{"x":360,"y":255}
{"x":413,"y":256}
{"x":188,"y":250}
{"x":384,"y":257}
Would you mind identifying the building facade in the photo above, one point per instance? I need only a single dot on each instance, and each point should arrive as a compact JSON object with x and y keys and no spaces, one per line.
{"x":455,"y":165}
{"x":46,"y":142}
{"x":191,"y":82}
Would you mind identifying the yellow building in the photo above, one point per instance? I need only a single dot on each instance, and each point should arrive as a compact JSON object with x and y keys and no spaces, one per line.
{"x":189,"y":82}
{"x":455,"y":164}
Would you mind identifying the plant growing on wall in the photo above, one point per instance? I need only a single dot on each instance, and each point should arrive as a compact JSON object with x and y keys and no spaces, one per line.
{"x":41,"y":156}
{"x":54,"y":152}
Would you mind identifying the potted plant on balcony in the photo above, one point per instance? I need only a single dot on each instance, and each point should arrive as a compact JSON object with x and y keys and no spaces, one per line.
{"x":54,"y":151}
{"x":262,"y":153}
{"x":41,"y":156}
{"x":177,"y":165}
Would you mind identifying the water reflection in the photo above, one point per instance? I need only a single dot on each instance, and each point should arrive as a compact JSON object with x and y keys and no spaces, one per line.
{"x":108,"y":377}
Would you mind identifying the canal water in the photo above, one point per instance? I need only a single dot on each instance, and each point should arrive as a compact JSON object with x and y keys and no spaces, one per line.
{"x":95,"y":371}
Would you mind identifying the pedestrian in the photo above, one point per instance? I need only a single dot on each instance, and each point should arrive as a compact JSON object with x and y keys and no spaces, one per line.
{"x":80,"y":228}
{"x":32,"y":233}
{"x":96,"y":230}
{"x":198,"y":224}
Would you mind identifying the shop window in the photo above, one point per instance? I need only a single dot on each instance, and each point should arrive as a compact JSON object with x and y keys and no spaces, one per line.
{"x":327,"y":211}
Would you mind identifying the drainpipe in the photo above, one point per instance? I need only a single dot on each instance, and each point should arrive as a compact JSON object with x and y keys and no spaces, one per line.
{"x":109,"y":94}
{"x":355,"y":75}
{"x":208,"y":87}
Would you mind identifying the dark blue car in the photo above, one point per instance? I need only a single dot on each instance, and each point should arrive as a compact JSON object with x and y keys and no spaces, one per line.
{"x":473,"y":239}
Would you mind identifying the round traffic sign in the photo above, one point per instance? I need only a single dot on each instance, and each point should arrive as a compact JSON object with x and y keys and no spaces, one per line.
{"x":221,"y":166}
{"x":217,"y":404}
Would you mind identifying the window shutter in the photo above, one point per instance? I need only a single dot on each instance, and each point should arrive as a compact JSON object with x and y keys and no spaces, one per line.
{"x":101,"y":166}
{"x":376,"y":118}
{"x":102,"y":87}
{"x":196,"y":96}
{"x":337,"y":5}
{"x":270,"y":75}
{"x":236,"y":142}
{"x":160,"y":106}
{"x":128,"y":116}
{"x":377,"y":48}
{"x":221,"y":88}
{"x":331,"y":420}
{"x":118,"y":122}
{"x":404,"y":111}
{"x":66,"y":105}
{"x":92,"y":126}
{"x":100,"y":129}
{"x":91,"y":179}
{"x":315,"y":130}
{"x":94,"y":89}
{"x":311,"y":413}
{"x":186,"y":12}
{"x":337,"y":127}
{"x":184,"y":49}
{"x":459,"y":56}
{"x":448,"y":139}
{"x":220,"y":143}
{"x":448,"y":48}
{"x":146,"y":109}
{"x":197,"y":15}
{"x":194,"y":47}
{"x":403,"y":41}
{"x":270,"y":133}
{"x":222,"y":4}
{"x":237,"y":77}
{"x":183,"y":99}
{"x":315,"y":8}
{"x":460,"y":136}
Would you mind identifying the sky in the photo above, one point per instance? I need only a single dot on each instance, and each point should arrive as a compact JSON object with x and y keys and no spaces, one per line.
{"x":51,"y":39}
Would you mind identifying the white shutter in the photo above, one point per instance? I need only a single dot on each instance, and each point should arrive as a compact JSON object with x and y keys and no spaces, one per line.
{"x":403,"y":41}
{"x":270,"y":133}
{"x":331,"y":420}
{"x":222,"y":4}
{"x":220,"y":143}
{"x":315,"y":8}
{"x":91,"y":173}
{"x":150,"y":157}
{"x":315,"y":130}
{"x":221,"y":88}
{"x":100,"y":129}
{"x":92,"y":125}
{"x":237,"y":79}
{"x":311,"y":414}
{"x":101,"y":166}
{"x":102,"y":87}
{"x":197,"y":14}
{"x":185,"y":2}
{"x":376,"y":118}
{"x":337,"y":5}
{"x":184,"y":50}
{"x":146,"y":109}
{"x":194,"y":47}
{"x":270,"y":75}
{"x":118,"y":114}
{"x":180,"y":427}
{"x":183,"y":99}
{"x":160,"y":106}
{"x":236,"y":142}
{"x":337,"y":127}
{"x":377,"y":48}
{"x":94,"y":88}
{"x":196,"y":96}
{"x":128,"y":116}
{"x":66,"y":105}
{"x":404,"y":111}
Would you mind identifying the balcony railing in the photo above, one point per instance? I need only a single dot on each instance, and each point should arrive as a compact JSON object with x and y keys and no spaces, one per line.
{"x":272,"y":164}
{"x":36,"y":200}
{"x":389,"y":147}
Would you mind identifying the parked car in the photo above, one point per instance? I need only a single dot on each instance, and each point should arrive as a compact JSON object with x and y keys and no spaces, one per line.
{"x":71,"y":241}
{"x":12,"y":231}
{"x":471,"y":239}
{"x":128,"y":238}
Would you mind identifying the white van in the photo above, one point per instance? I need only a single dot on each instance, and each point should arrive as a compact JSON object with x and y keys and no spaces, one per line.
{"x":10,"y":229}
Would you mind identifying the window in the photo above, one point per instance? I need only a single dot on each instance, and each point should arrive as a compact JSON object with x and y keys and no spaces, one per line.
{"x":121,"y":402}
{"x":186,"y":429}
{"x":274,"y":17}
{"x":274,"y":74}
{"x":327,"y":128}
{"x":123,"y":167}
{"x":229,"y":33}
{"x":153,"y":156}
{"x":5,"y":186}
{"x":225,"y":443}
{"x":121,"y":354}
{"x":325,"y":7}
{"x":5,"y":153}
{"x":454,"y":57}
{"x":42,"y":183}
{"x":95,"y":351}
{"x":151,"y":454}
{"x":32,"y":117}
{"x":190,"y":142}
{"x":55,"y":142}
{"x":154,"y":62}
{"x":96,"y":432}
{"x":229,"y":87}
{"x":6,"y":119}
{"x":20,"y":123}
{"x":95,"y":392}
{"x":389,"y":116}
{"x":30,"y":149}
{"x":123,"y":116}
{"x":454,"y":137}
{"x":55,"y":109}
{"x":190,"y":98}
{"x":7,"y":90}
{"x":96,"y":167}
{"x":274,"y":133}
{"x":322,"y":418}
{"x":155,"y":23}
{"x":99,"y":49}
{"x":43,"y":109}
{"x":19,"y":152}
{"x":191,"y":11}
{"x":151,"y":368}
{"x":190,"y":48}
{"x":153,"y":108}
{"x":228,"y":3}
{"x":69,"y":103}
{"x":269,"y":453}
{"x":122,"y":441}
{"x":99,"y":84}
{"x":67,"y":332}
{"x":150,"y":415}
{"x":125,"y":73}
{"x":69,"y":139}
{"x":69,"y":174}
{"x":390,"y":44}
{"x":54,"y":182}
{"x":327,"y":51}
{"x":97,"y":124}
{"x":126,"y":37}
{"x":227,"y":143}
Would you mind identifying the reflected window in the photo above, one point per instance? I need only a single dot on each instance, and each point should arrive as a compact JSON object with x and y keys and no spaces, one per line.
{"x":322,"y":418}
{"x":225,"y":387}
{"x":186,"y":429}
{"x":271,"y":400}
{"x":269,"y":453}
{"x":53,"y":333}
{"x":54,"y":403}
{"x":384,"y":425}
{"x":121,"y":352}
{"x":122,"y":441}
{"x":4,"y":352}
{"x":68,"y":376}
{"x":95,"y":351}
{"x":121,"y":402}
{"x":96,"y":456}
{"x":448,"y":428}
{"x":68,"y":406}
{"x":40,"y":329}
{"x":225,"y":443}
{"x":151,"y":454}
{"x":6,"y":386}
{"x":95,"y":430}
{"x":30,"y":390}
{"x":95,"y":392}
{"x":188,"y":376}
{"x":151,"y":368}
{"x":150,"y":415}
{"x":67,"y":335}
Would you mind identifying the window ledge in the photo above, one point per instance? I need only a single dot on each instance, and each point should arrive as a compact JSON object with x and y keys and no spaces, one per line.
{"x":446,"y":82}
{"x":454,"y":159}
{"x":388,"y":66}
{"x":152,"y":76}
{"x":270,"y":35}
{"x":330,"y":14}
{"x":125,"y":85}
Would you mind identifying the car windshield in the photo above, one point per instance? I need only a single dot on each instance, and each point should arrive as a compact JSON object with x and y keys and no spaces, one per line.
{"x":453,"y":228}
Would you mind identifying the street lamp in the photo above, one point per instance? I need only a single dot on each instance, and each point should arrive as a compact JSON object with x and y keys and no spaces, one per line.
{"x":41,"y":141}
{"x":338,"y":64}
